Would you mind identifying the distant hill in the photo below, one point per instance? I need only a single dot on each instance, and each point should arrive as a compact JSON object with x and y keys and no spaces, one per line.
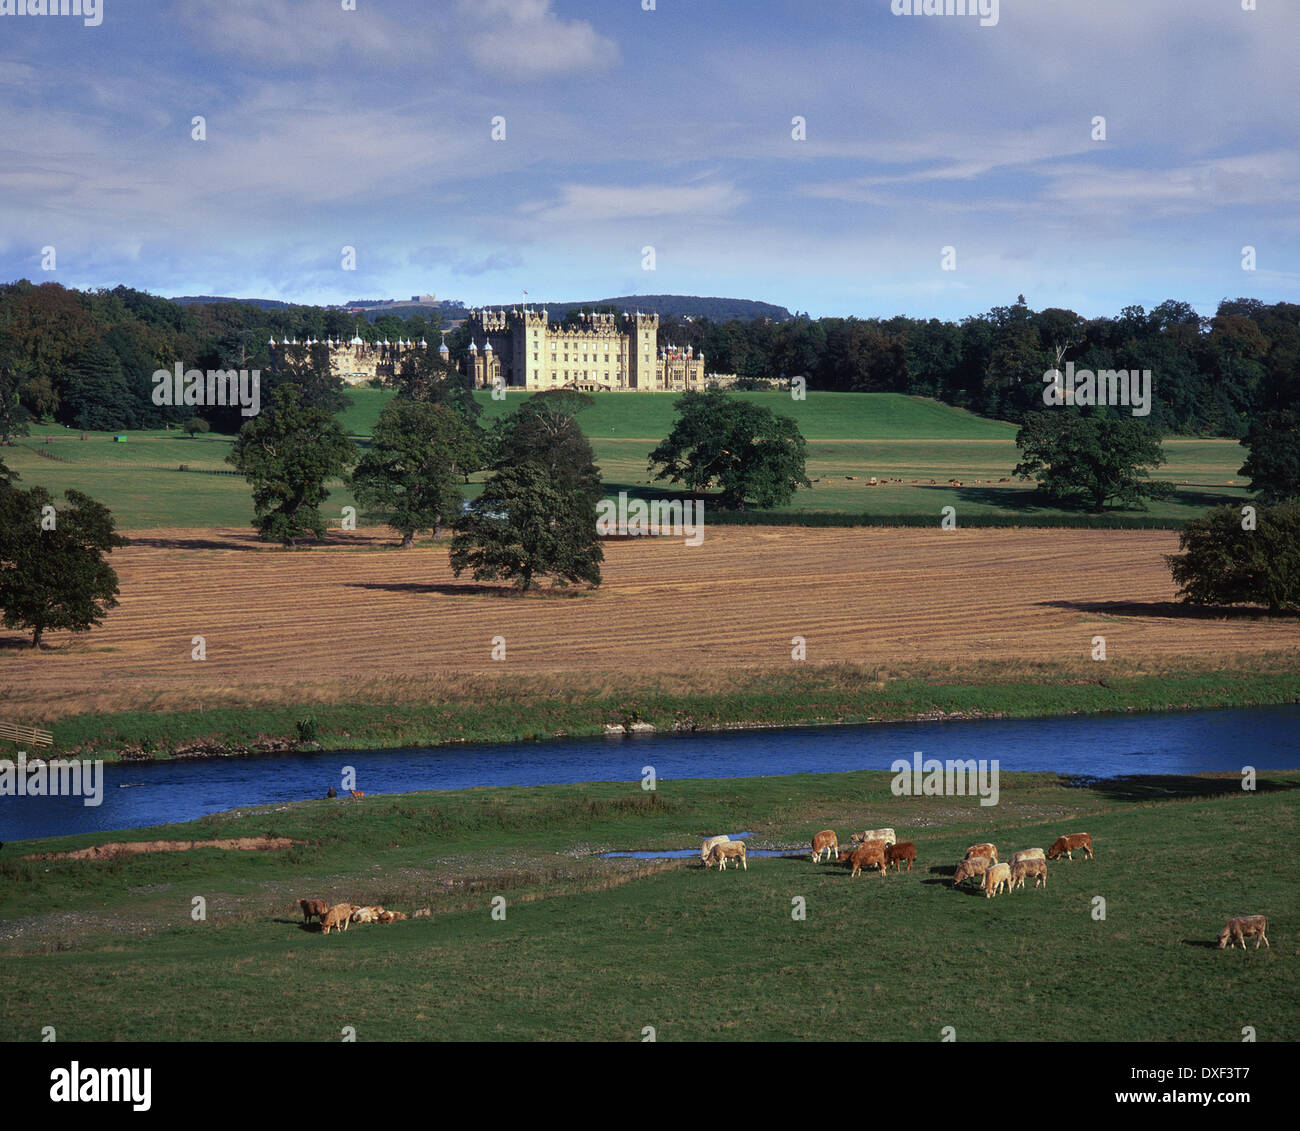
{"x":666,"y":306}
{"x":678,"y":306}
{"x":260,"y":303}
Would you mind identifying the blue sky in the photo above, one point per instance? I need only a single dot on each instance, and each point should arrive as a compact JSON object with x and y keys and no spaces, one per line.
{"x":669,"y":128}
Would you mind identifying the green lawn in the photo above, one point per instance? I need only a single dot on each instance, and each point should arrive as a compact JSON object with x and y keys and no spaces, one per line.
{"x":594,"y":949}
{"x":851,"y":437}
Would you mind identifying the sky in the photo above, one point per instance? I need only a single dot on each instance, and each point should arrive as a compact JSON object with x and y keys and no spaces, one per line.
{"x":578,"y":149}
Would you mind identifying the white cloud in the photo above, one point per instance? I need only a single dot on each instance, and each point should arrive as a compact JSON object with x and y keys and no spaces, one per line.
{"x":524,"y":39}
{"x":290,"y":33}
{"x":593,"y":204}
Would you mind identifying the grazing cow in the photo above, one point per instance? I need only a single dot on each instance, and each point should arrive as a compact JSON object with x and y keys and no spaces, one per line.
{"x":825,"y":842}
{"x":338,"y":917}
{"x":1030,"y":866}
{"x":896,"y":853}
{"x":391,"y":916}
{"x":887,"y":835}
{"x":731,"y":850}
{"x":988,"y":850}
{"x":995,"y":879}
{"x":707,"y":847}
{"x":971,"y":868}
{"x":1065,"y":846}
{"x":311,"y":907}
{"x":367,"y":914}
{"x":421,"y":913}
{"x":1245,"y":927}
{"x":865,"y":855}
{"x":1028,"y":854}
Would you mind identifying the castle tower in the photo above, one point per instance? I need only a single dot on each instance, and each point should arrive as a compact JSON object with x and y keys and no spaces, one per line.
{"x":642,"y":332}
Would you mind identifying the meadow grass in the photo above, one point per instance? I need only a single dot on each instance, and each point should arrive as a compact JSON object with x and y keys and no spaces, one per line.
{"x":851,"y":437}
{"x":594,"y":949}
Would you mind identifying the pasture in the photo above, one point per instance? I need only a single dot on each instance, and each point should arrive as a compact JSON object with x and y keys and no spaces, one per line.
{"x":851,"y":437}
{"x":595,"y":949}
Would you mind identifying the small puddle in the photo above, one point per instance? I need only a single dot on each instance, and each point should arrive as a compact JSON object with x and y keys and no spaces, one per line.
{"x":687,"y":853}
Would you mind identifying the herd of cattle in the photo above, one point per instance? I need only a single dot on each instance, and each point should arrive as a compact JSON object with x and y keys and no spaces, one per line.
{"x":338,"y":917}
{"x":880,"y":848}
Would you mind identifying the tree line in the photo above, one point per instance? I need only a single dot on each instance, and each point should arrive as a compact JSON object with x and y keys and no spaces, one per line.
{"x":85,"y":358}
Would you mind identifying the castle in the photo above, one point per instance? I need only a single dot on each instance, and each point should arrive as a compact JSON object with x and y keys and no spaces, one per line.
{"x":522,"y":348}
{"x":357,"y":361}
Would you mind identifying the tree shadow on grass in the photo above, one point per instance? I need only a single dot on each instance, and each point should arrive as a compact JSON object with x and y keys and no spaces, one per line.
{"x":652,"y":490}
{"x":471,"y":589}
{"x":1170,"y":610}
{"x":1167,"y":787}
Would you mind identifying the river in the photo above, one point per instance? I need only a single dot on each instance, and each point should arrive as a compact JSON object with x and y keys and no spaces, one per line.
{"x":1102,"y":746}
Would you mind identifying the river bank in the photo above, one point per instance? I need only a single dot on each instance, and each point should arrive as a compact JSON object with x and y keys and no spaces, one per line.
{"x":503,"y":711}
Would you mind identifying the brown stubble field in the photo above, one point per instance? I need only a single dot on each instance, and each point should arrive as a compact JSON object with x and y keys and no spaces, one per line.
{"x":359,"y":614}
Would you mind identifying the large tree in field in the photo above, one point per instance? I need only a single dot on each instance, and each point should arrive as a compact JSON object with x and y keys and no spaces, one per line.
{"x":753,"y":454}
{"x":424,"y":376}
{"x":1090,"y":457}
{"x":52,"y":569}
{"x":522,"y":527}
{"x":287,"y":454}
{"x":1229,"y":560}
{"x":544,"y":431}
{"x":408,"y":477}
{"x":308,"y":369}
{"x":1273,"y":462}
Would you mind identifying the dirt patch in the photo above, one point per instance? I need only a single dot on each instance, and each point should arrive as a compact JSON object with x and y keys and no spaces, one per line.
{"x":136,"y":847}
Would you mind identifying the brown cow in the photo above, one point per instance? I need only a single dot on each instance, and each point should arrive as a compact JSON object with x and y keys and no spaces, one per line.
{"x":864,"y":856}
{"x":1242,"y":928}
{"x":825,"y":842}
{"x":311,"y":907}
{"x":988,"y":850}
{"x":1065,"y":846}
{"x":973,"y":867}
{"x":1029,"y":866}
{"x":719,"y":854}
{"x":896,"y":853}
{"x":338,"y":917}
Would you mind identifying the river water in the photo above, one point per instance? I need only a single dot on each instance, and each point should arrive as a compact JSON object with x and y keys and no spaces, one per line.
{"x":1102,"y":746}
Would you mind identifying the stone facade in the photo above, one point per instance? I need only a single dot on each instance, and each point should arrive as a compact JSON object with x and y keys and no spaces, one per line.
{"x":355,"y":362}
{"x":522,"y":348}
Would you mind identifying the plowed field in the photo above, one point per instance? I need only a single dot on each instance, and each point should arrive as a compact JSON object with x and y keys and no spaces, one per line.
{"x":358,"y":611}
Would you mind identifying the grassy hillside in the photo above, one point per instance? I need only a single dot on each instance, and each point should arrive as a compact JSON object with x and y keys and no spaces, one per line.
{"x":851,"y":437}
{"x":595,"y":949}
